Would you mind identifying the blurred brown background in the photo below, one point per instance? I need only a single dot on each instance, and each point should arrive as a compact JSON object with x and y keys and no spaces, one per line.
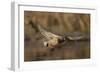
{"x":60,"y":24}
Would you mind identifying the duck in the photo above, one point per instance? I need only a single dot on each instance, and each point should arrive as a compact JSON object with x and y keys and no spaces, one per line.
{"x":53,"y":40}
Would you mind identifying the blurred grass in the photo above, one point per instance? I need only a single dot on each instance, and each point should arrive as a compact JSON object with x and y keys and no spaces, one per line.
{"x":58,"y":23}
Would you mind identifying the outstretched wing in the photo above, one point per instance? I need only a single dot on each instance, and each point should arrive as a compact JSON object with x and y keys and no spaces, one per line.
{"x":77,"y":36}
{"x":47,"y":34}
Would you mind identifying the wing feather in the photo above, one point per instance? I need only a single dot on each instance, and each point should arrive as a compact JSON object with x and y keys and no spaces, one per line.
{"x":75,"y":38}
{"x":47,"y":34}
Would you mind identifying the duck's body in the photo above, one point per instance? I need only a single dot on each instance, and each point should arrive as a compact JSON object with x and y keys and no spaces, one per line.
{"x":51,"y":43}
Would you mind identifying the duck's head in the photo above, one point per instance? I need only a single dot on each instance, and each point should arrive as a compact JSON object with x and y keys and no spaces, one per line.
{"x":61,"y":40}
